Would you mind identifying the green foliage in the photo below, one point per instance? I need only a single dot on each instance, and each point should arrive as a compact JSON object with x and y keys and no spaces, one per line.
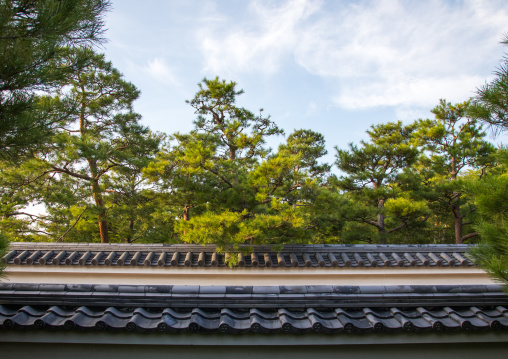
{"x":450,"y":144}
{"x":102,"y":176}
{"x":371,"y":180}
{"x":232,"y":190}
{"x":405,"y":208}
{"x":491,"y":194}
{"x":4,"y":244}
{"x":33,"y":35}
{"x":98,"y":143}
{"x":453,"y":140}
{"x":378,"y":162}
{"x":491,"y":102}
{"x":102,"y":131}
{"x":491,"y":198}
{"x":239,"y":132}
{"x":139,"y":211}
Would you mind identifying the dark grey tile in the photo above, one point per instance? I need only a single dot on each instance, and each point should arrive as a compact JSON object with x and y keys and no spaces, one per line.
{"x":208,"y":297}
{"x":79,"y":287}
{"x":25,"y":293}
{"x":265,"y":296}
{"x":346,"y":289}
{"x":238,"y":296}
{"x":319,"y":289}
{"x":158,"y":296}
{"x":494,"y":288}
{"x":131,"y":295}
{"x":25,"y":286}
{"x":239,"y":289}
{"x":158,"y":288}
{"x":52,"y":287}
{"x":131,"y":288}
{"x":103,"y":295}
{"x":185,"y":289}
{"x":370,"y":289}
{"x":398,"y":289}
{"x":6,"y":286}
{"x":265,"y":289}
{"x":105,"y":287}
{"x":221,"y":289}
{"x":423,"y":288}
{"x":296,"y":289}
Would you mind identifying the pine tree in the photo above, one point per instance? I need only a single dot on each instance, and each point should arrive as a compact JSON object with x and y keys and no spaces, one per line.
{"x":134,"y":203}
{"x":490,"y":197}
{"x":451,"y":144}
{"x":229,"y":188}
{"x":4,"y":243}
{"x":97,"y":132}
{"x":272,"y":202}
{"x":491,"y":101}
{"x":491,"y":194}
{"x":33,"y":35}
{"x":370,"y":180}
{"x":215,"y":157}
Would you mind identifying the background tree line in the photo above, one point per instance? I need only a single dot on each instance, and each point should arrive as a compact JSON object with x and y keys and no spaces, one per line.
{"x":72,"y":144}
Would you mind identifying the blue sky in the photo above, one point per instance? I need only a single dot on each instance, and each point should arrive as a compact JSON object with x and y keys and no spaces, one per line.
{"x":335,"y":67}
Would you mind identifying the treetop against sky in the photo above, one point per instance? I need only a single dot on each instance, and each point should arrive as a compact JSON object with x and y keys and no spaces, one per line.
{"x":336,"y":67}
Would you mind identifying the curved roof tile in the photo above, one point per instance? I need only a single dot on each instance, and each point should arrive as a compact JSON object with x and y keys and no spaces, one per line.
{"x":367,"y":320}
{"x":84,"y":254}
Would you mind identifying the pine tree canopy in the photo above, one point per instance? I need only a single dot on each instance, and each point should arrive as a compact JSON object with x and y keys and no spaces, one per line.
{"x":491,"y":103}
{"x":72,"y":144}
{"x":33,"y":35}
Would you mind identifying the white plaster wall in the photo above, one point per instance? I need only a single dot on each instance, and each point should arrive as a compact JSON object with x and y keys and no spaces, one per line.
{"x":247,"y":276}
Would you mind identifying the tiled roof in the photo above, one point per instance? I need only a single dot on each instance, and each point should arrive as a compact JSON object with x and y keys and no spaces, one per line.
{"x":254,"y":320}
{"x":236,"y":309}
{"x":247,"y":309}
{"x":310,"y":296}
{"x":85,"y":254}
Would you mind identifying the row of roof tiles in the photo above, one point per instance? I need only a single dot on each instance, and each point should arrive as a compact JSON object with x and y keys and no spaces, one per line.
{"x":337,"y":320}
{"x":318,"y":296}
{"x":211,"y":247}
{"x":202,"y":258}
{"x":238,"y":289}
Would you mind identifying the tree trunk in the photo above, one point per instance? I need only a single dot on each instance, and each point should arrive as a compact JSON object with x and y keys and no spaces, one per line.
{"x":456,"y":205}
{"x":458,"y":230}
{"x":381,"y":222}
{"x":99,"y":202}
{"x":103,"y":228}
{"x":96,"y":190}
{"x":101,"y":217}
{"x":457,"y":218}
{"x":186,"y":213}
{"x":128,"y":239}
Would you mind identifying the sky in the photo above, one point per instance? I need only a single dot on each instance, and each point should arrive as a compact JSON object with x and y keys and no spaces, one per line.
{"x":335,"y":67}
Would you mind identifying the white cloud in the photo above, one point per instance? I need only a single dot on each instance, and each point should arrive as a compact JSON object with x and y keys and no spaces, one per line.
{"x":260,"y":44}
{"x":374,"y":53}
{"x":157,"y":69}
{"x":399,"y":90}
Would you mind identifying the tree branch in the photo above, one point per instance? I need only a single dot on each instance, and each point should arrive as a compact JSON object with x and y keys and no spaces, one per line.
{"x":220,"y":176}
{"x":373,"y":223}
{"x":397,"y":228}
{"x":104,"y":170}
{"x":23,"y":214}
{"x":469,"y":236}
{"x":71,"y":227}
{"x":35,"y":231}
{"x":71,"y":173}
